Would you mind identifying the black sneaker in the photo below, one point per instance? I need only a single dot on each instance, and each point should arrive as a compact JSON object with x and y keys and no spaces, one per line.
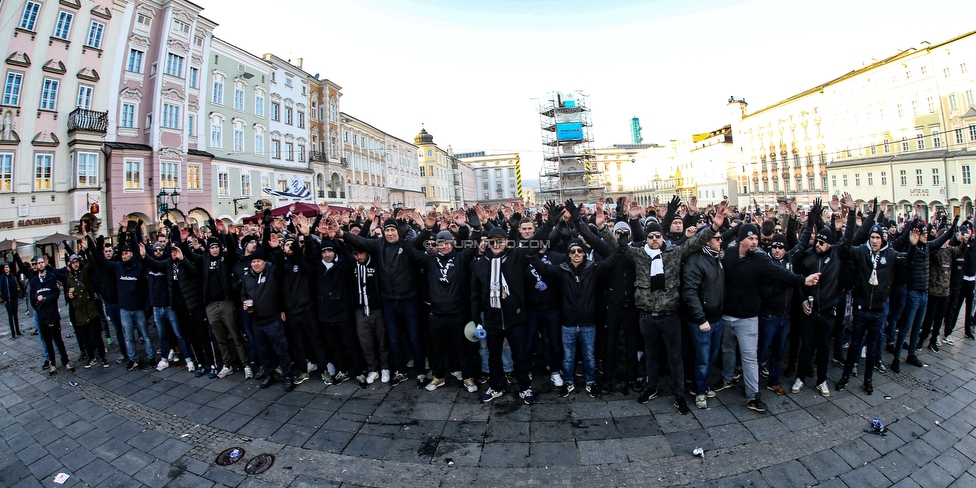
{"x":91,"y":363}
{"x":890,"y":348}
{"x":838,"y":360}
{"x":104,"y":363}
{"x":868,"y":387}
{"x":341,"y":377}
{"x":880,"y":367}
{"x":566,"y":389}
{"x":756,"y":405}
{"x":722,"y":385}
{"x":396,"y":379}
{"x":842,"y":383}
{"x":914,"y":361}
{"x":268,"y":381}
{"x":895,"y":366}
{"x":737,"y":375}
{"x":289,"y":384}
{"x":648,"y":395}
{"x":682,"y":405}
{"x":132,"y":365}
{"x":483,"y":378}
{"x":592,"y":390}
{"x":934,"y":347}
{"x":47,"y":365}
{"x":510,"y":378}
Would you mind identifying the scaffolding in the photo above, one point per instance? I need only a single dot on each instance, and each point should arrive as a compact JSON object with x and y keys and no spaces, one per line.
{"x":569,"y":169}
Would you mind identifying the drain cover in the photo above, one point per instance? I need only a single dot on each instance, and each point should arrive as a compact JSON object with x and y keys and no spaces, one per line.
{"x":259,"y":464}
{"x":230,"y":456}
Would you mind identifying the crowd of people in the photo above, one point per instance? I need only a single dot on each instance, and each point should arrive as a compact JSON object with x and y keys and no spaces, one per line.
{"x":615,"y":294}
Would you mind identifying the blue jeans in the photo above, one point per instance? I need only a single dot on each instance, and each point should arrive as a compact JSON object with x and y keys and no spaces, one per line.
{"x":896,"y":305}
{"x":401,"y":316}
{"x":112,"y":314}
{"x":586,"y":335}
{"x":772,"y":338}
{"x":547,"y":321}
{"x":165,"y":318}
{"x":707,"y":346}
{"x":40,"y":336}
{"x":911,"y":320}
{"x":137,"y":318}
{"x":870,"y":322}
{"x":508,"y":365}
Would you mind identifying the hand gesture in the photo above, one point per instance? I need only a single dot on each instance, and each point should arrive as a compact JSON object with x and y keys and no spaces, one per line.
{"x":674,"y":204}
{"x":177,"y":254}
{"x":460,"y":218}
{"x":913,"y":236}
{"x":142,"y":249}
{"x":324,"y":208}
{"x":574,"y":211}
{"x":834,"y":204}
{"x":693,"y":204}
{"x":600,"y":218}
{"x":848,"y":201}
{"x":794,"y":209}
{"x":719,"y":218}
{"x":273,"y":241}
{"x":377,"y":203}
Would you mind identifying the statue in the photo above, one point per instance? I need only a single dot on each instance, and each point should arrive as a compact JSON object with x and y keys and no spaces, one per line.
{"x":7,"y":126}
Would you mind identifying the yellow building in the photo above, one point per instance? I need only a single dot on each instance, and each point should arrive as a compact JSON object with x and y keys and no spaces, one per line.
{"x":436,"y":172}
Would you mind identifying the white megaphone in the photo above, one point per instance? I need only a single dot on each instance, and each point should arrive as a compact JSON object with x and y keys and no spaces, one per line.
{"x":473,"y":332}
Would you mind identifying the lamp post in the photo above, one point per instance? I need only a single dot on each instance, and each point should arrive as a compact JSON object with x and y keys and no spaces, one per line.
{"x":164,"y":199}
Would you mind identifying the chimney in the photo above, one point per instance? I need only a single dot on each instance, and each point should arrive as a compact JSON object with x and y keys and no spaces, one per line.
{"x":299,"y":63}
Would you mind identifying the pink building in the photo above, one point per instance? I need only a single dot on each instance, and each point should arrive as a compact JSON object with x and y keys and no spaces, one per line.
{"x":155,"y":116}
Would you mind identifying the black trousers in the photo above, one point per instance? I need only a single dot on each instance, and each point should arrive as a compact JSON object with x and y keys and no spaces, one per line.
{"x":12,"y":317}
{"x":446,"y":340}
{"x":51,"y":333}
{"x":273,"y":347}
{"x":342,"y":344}
{"x":817,"y":330}
{"x":621,"y":318}
{"x":935,"y":313}
{"x":294,"y":324}
{"x":197,"y":335}
{"x":93,"y":338}
{"x":664,"y":330}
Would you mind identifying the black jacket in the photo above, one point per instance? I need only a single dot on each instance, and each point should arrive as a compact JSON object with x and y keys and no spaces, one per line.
{"x":296,"y":293}
{"x":703,"y":288}
{"x":745,"y":277}
{"x":866,"y":295}
{"x":47,"y":287}
{"x":264,"y":289}
{"x":447,"y":276}
{"x":918,"y":272}
{"x":397,"y":272}
{"x":578,"y":285}
{"x":334,"y":286}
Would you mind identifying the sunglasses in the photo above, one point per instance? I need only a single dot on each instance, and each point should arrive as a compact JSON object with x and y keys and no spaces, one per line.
{"x":576,"y":250}
{"x":821,"y":241}
{"x":622,"y":232}
{"x":497,"y":242}
{"x":778,"y":246}
{"x":655,"y":235}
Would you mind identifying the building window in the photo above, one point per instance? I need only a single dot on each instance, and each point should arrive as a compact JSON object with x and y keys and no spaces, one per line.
{"x":238,"y":96}
{"x":198,"y":41}
{"x":901,"y":111}
{"x":275,"y":149}
{"x":301,"y":153}
{"x":258,"y":142}
{"x":845,"y":179}
{"x":128,"y":116}
{"x":275,"y":111}
{"x":920,"y":141}
{"x":259,"y":103}
{"x":218,"y":89}
{"x":301,"y":120}
{"x":194,"y":74}
{"x":936,"y":137}
{"x":190,"y":126}
{"x":946,"y":72}
{"x":953,"y":102}
{"x":332,"y":112}
{"x":169,"y":175}
{"x":969,"y":98}
{"x":972,"y":132}
{"x":812,"y":183}
{"x":181,"y":26}
{"x":49,"y":94}
{"x":95,"y":34}
{"x":857,"y":179}
{"x":423,"y":172}
{"x":936,"y":178}
{"x":171,"y":116}
{"x":918,"y":177}
{"x":63,"y":29}
{"x":174,"y":65}
{"x":193,"y":176}
{"x":143,"y":19}
{"x":904,"y":144}
{"x":11,"y":89}
{"x":288,"y":81}
{"x":239,"y":137}
{"x":216,"y":132}
{"x":86,"y":168}
{"x":931,"y":103}
{"x":135,"y":61}
{"x":962,"y":68}
{"x":29,"y":19}
{"x":884,"y":178}
{"x":43,"y":165}
{"x":870,"y":179}
{"x":245,"y":184}
{"x":223,"y":184}
{"x":903,"y":176}
{"x":915,"y":108}
{"x":967,"y":178}
{"x":289,"y":151}
{"x":133,"y":175}
{"x":6,"y":172}
{"x":959,"y":138}
{"x":288,"y":115}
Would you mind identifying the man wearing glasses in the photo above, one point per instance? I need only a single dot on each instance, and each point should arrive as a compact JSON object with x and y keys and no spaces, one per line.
{"x":658,"y":282}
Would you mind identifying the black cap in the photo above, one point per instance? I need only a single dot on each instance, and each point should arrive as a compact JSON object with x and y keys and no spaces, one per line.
{"x":497,"y":232}
{"x":258,"y":254}
{"x":213,"y":241}
{"x":390,"y":222}
{"x":779,"y":240}
{"x":327,"y":245}
{"x":124,"y":248}
{"x":653,"y":227}
{"x":826,"y":234}
{"x":746,"y":230}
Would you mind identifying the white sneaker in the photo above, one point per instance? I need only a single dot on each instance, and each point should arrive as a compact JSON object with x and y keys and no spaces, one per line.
{"x":163,"y":364}
{"x":701,"y":402}
{"x":385,"y":377}
{"x":172,"y":356}
{"x":457,"y":374}
{"x":248,"y":373}
{"x":371,"y":377}
{"x":190,"y":366}
{"x":557,"y":379}
{"x":225,"y":372}
{"x":797,"y":386}
{"x":822,"y":389}
{"x":311,"y":367}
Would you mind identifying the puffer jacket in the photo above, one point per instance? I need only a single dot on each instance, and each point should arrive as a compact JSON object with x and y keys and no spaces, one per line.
{"x":703,"y":288}
{"x":669,"y":298}
{"x":918,"y":274}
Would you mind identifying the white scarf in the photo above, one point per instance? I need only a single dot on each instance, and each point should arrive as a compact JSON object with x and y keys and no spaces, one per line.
{"x":363,"y":296}
{"x":873,"y":280}
{"x":657,"y":265}
{"x":497,"y":286}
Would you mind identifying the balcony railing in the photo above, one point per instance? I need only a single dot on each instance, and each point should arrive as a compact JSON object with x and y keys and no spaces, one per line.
{"x":90,"y":120}
{"x":318,"y":156}
{"x":332,"y":194}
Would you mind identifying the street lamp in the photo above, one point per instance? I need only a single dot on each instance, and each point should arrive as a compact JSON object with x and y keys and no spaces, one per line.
{"x":164,"y":199}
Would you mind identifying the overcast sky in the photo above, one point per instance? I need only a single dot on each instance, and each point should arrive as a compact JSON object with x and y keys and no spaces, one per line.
{"x":473,"y":71}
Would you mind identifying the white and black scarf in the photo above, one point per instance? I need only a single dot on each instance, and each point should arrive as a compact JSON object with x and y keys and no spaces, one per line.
{"x":497,"y":286}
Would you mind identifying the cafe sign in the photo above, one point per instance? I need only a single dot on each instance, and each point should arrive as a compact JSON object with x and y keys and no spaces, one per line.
{"x":9,"y":224}
{"x":919,"y":192}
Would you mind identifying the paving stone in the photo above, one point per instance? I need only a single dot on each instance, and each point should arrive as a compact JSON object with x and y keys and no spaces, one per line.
{"x":824,"y":464}
{"x":170,"y":450}
{"x":158,"y":473}
{"x":133,"y":461}
{"x":259,"y":427}
{"x":189,"y":480}
{"x":798,"y":419}
{"x":96,"y":472}
{"x":895,"y":466}
{"x":146,"y":440}
{"x":32,"y":453}
{"x":729,"y":435}
{"x":294,"y":435}
{"x":478,"y":412}
{"x":329,"y":440}
{"x":504,"y":431}
{"x":77,"y":429}
{"x":419,"y":429}
{"x":906,"y":483}
{"x":77,"y":458}
{"x":639,"y":426}
{"x":505,"y":455}
{"x":601,"y":451}
{"x":866,"y":475}
{"x":305,"y":481}
{"x":544,"y":454}
{"x":594,"y":429}
{"x":919,"y":451}
{"x":230,"y":421}
{"x":766,"y":427}
{"x":465,"y":432}
{"x":946,"y":407}
{"x":713,"y":415}
{"x":45,"y":466}
{"x":13,"y":473}
{"x":884,"y":443}
{"x":790,"y":473}
{"x":752,"y":478}
{"x":931,"y":475}
{"x":642,"y":449}
{"x":310,"y":417}
{"x":462,"y":454}
{"x":111,"y":449}
{"x":856,"y":452}
{"x":223,"y":476}
{"x":964,"y":480}
{"x":205,"y":414}
{"x":346,"y":422}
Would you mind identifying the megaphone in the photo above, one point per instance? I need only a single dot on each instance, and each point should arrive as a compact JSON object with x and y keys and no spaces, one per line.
{"x":473,"y":332}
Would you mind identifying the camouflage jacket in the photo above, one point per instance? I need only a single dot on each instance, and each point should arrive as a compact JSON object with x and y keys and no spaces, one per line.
{"x":668,"y":299}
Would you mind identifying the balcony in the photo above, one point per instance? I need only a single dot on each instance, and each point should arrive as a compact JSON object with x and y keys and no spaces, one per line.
{"x":90,"y":120}
{"x":318,"y":156}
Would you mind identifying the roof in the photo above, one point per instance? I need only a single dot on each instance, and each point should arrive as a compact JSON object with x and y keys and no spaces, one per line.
{"x":197,"y":152}
{"x":897,"y":158}
{"x":128,"y":146}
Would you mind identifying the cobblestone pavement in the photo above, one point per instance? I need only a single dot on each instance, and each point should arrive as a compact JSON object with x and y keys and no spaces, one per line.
{"x":119,"y":428}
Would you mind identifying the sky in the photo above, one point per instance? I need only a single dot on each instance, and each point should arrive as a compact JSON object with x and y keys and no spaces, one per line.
{"x":473,"y":73}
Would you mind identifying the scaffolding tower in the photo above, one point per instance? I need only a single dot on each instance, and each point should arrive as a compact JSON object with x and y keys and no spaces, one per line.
{"x":569,"y":168}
